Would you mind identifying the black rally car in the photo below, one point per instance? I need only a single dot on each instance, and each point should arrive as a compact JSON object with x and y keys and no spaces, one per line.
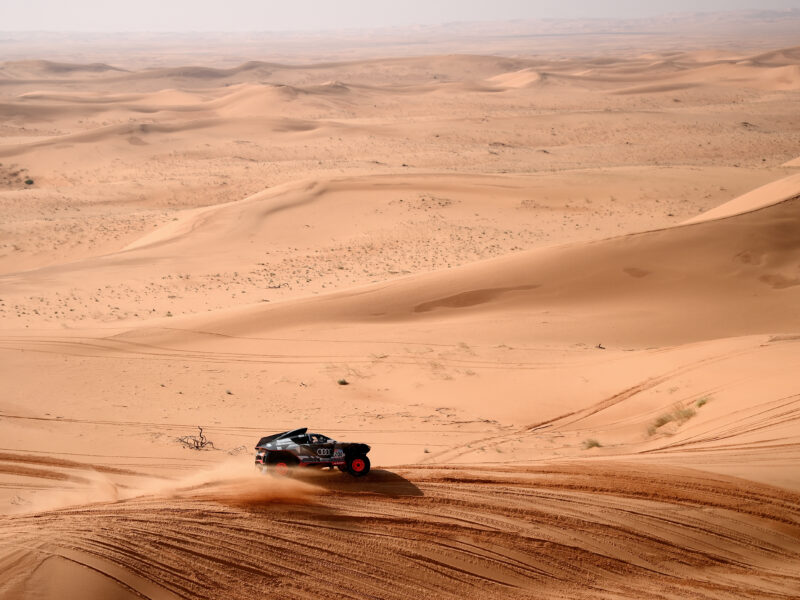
{"x":297,"y":448}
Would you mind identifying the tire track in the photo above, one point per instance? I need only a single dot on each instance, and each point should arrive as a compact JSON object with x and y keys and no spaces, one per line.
{"x":574,"y":417}
{"x":558,"y":531}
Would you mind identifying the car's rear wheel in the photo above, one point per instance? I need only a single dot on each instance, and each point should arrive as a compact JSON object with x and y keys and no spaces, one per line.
{"x":358,"y":466}
{"x":281,"y":467}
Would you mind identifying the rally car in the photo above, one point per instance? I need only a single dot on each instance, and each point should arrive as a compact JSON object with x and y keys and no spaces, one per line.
{"x":280,"y":452}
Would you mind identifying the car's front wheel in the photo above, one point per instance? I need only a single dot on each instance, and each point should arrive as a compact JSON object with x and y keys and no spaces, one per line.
{"x":358,"y":466}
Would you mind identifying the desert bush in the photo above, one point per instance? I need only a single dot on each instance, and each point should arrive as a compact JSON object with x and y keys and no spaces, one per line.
{"x":683,"y":414}
{"x":591,"y":443}
{"x":702,"y":401}
{"x":679,"y":414}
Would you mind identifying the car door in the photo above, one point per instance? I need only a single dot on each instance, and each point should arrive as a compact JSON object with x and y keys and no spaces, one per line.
{"x":323,"y":447}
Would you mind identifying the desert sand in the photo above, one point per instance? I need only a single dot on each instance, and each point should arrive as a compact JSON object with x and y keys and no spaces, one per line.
{"x":563,"y":289}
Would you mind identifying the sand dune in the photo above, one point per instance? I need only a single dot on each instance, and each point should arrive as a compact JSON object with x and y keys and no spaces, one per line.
{"x":778,"y":57}
{"x":556,"y":294}
{"x":271,"y":239}
{"x":768,"y":195}
{"x":516,"y":79}
{"x":45,"y":68}
{"x":785,"y":77}
{"x":251,"y":100}
{"x":678,"y":537}
{"x":748,"y":267}
{"x":102,"y":133}
{"x":384,"y":71}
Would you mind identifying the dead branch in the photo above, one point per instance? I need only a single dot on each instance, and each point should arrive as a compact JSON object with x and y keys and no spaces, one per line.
{"x":197,"y":442}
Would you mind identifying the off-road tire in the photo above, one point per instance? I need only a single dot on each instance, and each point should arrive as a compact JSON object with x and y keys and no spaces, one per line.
{"x":281,"y":466}
{"x":358,"y":465}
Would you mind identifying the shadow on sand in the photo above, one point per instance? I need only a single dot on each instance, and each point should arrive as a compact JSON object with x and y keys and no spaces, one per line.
{"x":379,"y":481}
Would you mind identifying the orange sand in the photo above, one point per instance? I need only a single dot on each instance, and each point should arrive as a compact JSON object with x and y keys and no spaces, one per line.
{"x":564,"y":291}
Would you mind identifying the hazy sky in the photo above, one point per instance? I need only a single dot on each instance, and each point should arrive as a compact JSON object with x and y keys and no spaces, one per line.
{"x":291,"y":15}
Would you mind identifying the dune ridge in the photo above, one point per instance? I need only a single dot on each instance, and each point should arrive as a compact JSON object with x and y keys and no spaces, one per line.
{"x":652,"y":269}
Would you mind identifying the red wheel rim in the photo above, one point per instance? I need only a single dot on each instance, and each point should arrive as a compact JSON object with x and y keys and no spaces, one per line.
{"x":358,"y":465}
{"x":281,"y":468}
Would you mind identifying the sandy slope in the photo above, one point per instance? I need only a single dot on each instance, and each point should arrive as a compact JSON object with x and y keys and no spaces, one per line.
{"x":562,"y":292}
{"x":315,"y":235}
{"x":719,"y":269}
{"x":562,"y":531}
